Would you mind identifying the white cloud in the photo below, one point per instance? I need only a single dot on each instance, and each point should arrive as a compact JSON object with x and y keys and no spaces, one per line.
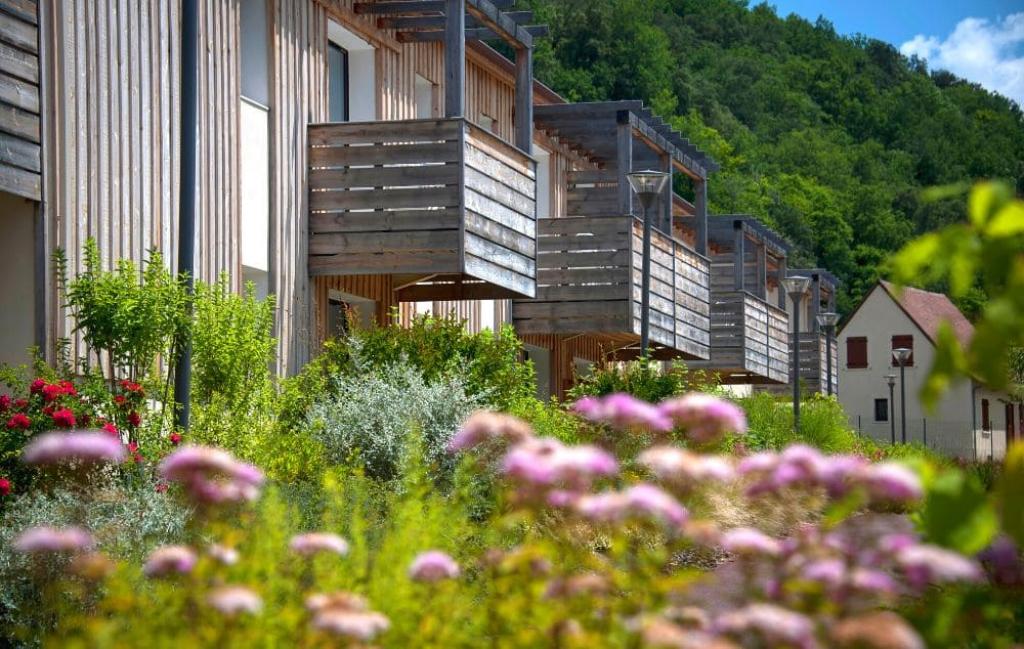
{"x":979,"y":50}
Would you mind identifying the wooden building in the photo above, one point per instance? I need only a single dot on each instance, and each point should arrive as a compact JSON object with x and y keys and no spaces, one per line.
{"x":589,"y":259}
{"x":749,"y":322}
{"x":819,"y":298}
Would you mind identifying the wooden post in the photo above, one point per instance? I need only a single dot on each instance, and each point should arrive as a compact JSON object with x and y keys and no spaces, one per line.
{"x":700,"y":202}
{"x":782,"y":287}
{"x":815,"y":301}
{"x":455,"y":58}
{"x":665,"y":220}
{"x":762,"y":271}
{"x":739,"y":254}
{"x":624,"y":135}
{"x":524,"y":99}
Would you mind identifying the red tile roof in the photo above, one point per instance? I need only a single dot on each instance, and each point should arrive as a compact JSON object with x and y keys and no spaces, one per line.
{"x":928,"y":310}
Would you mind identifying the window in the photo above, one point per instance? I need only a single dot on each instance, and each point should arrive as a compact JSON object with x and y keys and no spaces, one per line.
{"x":881,"y":410}
{"x":986,"y":421}
{"x":903,"y":342}
{"x":254,"y":51}
{"x":856,"y":352}
{"x":337,"y":83}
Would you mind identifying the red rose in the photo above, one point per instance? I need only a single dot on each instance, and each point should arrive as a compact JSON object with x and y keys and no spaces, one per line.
{"x":133,"y":447}
{"x":175,"y":438}
{"x":134,"y":419}
{"x":48,"y":410}
{"x":19,"y":421}
{"x":20,"y":404}
{"x":52,"y":392}
{"x":131,"y":386}
{"x":64,"y":418}
{"x":120,"y":400}
{"x":5,"y":403}
{"x":69,"y":388}
{"x":5,"y":487}
{"x":37,"y":386}
{"x":111,"y":428}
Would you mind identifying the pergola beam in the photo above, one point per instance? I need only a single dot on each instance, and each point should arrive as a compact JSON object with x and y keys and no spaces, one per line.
{"x":432,"y":15}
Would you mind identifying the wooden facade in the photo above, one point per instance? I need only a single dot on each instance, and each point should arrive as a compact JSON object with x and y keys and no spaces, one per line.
{"x":749,"y":322}
{"x":820,"y":297}
{"x":20,"y":105}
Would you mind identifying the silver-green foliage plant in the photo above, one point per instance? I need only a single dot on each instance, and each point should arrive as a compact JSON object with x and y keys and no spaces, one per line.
{"x":127,"y":518}
{"x":368,"y":418}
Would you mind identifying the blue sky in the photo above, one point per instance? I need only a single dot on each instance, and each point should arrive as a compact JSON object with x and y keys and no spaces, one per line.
{"x":980,"y":40}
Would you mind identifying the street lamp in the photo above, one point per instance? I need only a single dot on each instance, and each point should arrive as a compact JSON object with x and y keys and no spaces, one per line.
{"x":796,"y":286}
{"x":647,"y":185}
{"x":891,"y":380}
{"x":827,"y":320}
{"x":902,"y":355}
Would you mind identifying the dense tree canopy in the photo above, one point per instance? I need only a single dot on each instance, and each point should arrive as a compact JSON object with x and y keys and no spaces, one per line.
{"x":829,"y":139}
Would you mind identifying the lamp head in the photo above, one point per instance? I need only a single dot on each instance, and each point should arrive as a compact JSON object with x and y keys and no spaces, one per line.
{"x":647,"y":185}
{"x":890,"y":379}
{"x":902,"y":355}
{"x":827,"y":319}
{"x":796,"y":285}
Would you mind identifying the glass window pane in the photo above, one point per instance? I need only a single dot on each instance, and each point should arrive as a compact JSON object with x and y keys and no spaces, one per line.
{"x":337,"y":83}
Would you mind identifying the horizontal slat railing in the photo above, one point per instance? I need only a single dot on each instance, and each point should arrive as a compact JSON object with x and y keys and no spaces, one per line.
{"x":749,"y":338}
{"x":437,"y":196}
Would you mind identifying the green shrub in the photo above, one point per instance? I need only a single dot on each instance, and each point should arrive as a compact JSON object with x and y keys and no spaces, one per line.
{"x":548,"y":419}
{"x":823,"y":424}
{"x":646,"y":380}
{"x":127,"y":518}
{"x":367,"y":418}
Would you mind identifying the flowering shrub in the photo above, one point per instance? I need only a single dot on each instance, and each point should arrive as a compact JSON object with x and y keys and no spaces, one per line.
{"x":586,"y":549}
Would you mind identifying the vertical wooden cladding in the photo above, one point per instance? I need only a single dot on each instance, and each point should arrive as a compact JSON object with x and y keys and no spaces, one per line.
{"x":749,"y":339}
{"x":378,"y":288}
{"x":111,"y":132}
{"x":20,"y":159}
{"x":298,"y":97}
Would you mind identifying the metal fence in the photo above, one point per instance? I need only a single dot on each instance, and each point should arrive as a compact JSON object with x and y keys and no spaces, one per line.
{"x":954,"y":438}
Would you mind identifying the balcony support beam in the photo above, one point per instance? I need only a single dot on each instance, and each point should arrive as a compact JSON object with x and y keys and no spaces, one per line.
{"x":624,"y":157}
{"x":455,"y":59}
{"x":739,"y":254}
{"x":524,"y":99}
{"x":700,"y":204}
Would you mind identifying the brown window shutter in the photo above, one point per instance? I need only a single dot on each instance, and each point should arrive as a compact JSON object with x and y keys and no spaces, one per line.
{"x":986,"y":422}
{"x":905,"y":342}
{"x":856,"y":352}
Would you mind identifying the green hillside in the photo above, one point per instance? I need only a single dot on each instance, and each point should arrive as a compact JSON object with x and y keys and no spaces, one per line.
{"x":829,"y":139}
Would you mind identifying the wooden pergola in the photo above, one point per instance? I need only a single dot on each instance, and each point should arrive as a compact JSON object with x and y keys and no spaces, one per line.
{"x":625,"y":136}
{"x":453,"y":22}
{"x":733,"y":232}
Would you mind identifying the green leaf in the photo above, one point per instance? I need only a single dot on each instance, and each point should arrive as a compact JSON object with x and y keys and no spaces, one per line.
{"x":1009,"y":491}
{"x":957,"y":513}
{"x":1007,"y":222}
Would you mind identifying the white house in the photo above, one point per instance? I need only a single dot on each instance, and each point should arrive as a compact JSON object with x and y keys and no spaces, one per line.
{"x":970,"y":421}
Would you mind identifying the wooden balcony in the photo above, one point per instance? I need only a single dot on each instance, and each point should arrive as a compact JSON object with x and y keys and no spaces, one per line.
{"x":749,"y":340}
{"x":589,"y":282}
{"x":445,"y":207}
{"x":813,"y":363}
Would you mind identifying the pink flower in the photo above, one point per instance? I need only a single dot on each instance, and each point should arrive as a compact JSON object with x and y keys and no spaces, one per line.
{"x":40,"y":540}
{"x":705,"y":418}
{"x":346,"y":615}
{"x":212,"y":475}
{"x":642,"y":501}
{"x":484,"y":426}
{"x":433,"y":566}
{"x":19,"y":421}
{"x":67,"y":448}
{"x":547,"y":462}
{"x":680,"y":467}
{"x":758,"y":463}
{"x":624,"y":412}
{"x":232,"y":600}
{"x":829,"y":572}
{"x":874,"y":582}
{"x":892,"y":483}
{"x":64,"y":418}
{"x":746,"y":541}
{"x":930,"y":564}
{"x":170,"y":560}
{"x":223,"y":554}
{"x":774,"y":624}
{"x":307,"y":545}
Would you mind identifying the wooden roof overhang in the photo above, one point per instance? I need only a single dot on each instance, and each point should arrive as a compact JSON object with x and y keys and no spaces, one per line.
{"x":425,"y":20}
{"x":722,"y":229}
{"x":827,"y":279}
{"x":592,"y":128}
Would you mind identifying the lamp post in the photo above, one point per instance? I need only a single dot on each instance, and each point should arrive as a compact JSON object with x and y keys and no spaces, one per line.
{"x":902,"y":355}
{"x":891,"y":380}
{"x":827,"y":320}
{"x":796,"y":286}
{"x":647,"y":185}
